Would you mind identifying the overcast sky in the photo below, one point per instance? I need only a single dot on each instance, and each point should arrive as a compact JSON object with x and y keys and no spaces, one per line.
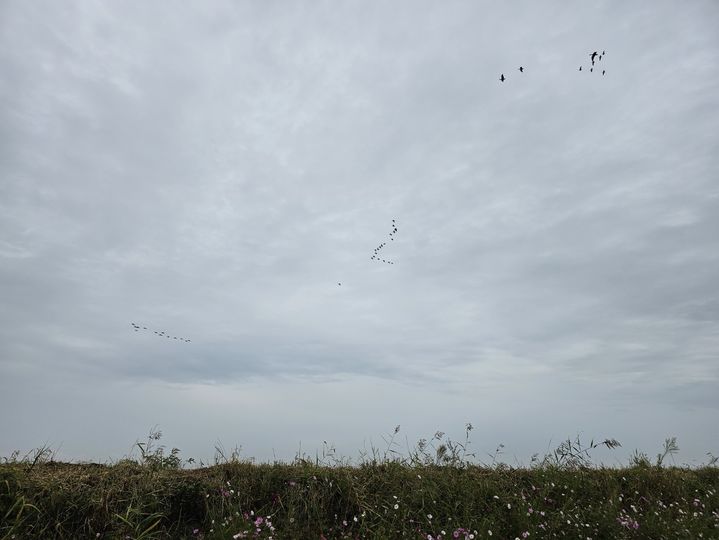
{"x":214,"y":171}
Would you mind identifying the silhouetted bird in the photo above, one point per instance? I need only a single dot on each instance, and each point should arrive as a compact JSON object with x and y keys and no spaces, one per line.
{"x":603,"y":72}
{"x":591,"y":69}
{"x":593,"y":56}
{"x":501,"y":78}
{"x":339,"y":284}
{"x":604,"y":52}
{"x":521,"y":69}
{"x":600,"y":57}
{"x":580,"y":68}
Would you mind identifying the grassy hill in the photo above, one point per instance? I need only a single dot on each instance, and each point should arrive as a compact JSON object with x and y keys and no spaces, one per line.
{"x":437,"y":494}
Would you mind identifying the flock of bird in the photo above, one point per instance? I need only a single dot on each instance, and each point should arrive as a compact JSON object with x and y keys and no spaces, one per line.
{"x":594,"y":56}
{"x":137,"y":328}
{"x":375,"y":256}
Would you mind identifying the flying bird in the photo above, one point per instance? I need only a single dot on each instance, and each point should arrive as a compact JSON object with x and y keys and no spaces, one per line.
{"x":580,"y":68}
{"x":603,"y":72}
{"x":593,"y":56}
{"x":521,"y":69}
{"x":501,"y":78}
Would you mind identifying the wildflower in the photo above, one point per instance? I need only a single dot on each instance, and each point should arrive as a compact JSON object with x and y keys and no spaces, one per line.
{"x":496,"y":497}
{"x":355,"y":519}
{"x":489,"y":532}
{"x":525,"y":534}
{"x":396,"y":506}
{"x":429,"y":517}
{"x":509,"y":506}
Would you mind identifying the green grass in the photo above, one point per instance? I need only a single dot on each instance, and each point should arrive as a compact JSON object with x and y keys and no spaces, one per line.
{"x":437,"y":491}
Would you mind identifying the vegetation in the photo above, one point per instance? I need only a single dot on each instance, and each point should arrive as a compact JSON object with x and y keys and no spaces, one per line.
{"x":439,"y":491}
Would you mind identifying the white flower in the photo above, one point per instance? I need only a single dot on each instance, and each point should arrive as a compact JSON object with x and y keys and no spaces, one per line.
{"x":396,"y":506}
{"x":429,"y":516}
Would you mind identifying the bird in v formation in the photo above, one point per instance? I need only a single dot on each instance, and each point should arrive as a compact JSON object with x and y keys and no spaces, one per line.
{"x":161,"y":333}
{"x":375,"y":256}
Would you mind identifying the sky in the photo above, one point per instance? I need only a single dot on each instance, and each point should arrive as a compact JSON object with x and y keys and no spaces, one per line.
{"x":223,"y":171}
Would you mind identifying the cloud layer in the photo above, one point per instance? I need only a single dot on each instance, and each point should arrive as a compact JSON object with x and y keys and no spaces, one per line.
{"x":214,"y":171}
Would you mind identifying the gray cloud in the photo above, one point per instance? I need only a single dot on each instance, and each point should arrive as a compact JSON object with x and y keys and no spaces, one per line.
{"x":214,"y":171}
